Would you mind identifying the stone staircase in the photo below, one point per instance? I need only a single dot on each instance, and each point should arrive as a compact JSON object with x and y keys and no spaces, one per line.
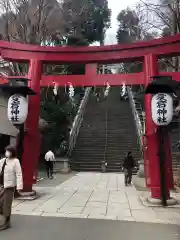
{"x":107,"y":133}
{"x":90,"y":144}
{"x":175,"y":137}
{"x":121,"y":132}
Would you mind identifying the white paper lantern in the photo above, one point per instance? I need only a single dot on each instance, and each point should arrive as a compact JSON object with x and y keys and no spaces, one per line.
{"x":108,"y":86}
{"x":162,"y":109}
{"x":123,"y":89}
{"x":55,"y":89}
{"x":17,"y":109}
{"x":71,"y":90}
{"x":106,"y":92}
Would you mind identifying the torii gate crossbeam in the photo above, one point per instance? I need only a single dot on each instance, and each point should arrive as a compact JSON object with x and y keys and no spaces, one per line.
{"x":145,"y":52}
{"x":162,"y":47}
{"x":94,"y":80}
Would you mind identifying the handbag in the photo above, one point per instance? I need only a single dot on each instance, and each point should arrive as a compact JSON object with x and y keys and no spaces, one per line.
{"x":2,"y":185}
{"x":2,"y":174}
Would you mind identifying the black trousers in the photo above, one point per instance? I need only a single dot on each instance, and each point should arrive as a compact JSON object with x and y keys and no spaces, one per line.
{"x":49,"y":168}
{"x":128,"y":176}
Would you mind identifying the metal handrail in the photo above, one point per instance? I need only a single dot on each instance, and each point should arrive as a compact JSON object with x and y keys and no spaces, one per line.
{"x":139,"y":125}
{"x":106,"y":129}
{"x":78,"y":121}
{"x":140,"y":114}
{"x":105,"y":149}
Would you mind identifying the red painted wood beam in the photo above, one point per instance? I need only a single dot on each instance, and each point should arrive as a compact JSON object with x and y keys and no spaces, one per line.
{"x":64,"y":49}
{"x":175,"y":75}
{"x":88,"y":80}
{"x":96,"y":80}
{"x":106,"y":57}
{"x":103,"y":54}
{"x":3,"y":80}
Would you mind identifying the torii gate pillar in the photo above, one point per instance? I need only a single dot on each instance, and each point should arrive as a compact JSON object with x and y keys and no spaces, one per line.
{"x":31,"y":144}
{"x":151,"y":151}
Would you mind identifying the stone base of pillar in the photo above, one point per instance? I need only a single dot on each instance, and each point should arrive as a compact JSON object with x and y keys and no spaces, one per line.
{"x":152,"y":202}
{"x":158,"y":202}
{"x":28,"y":195}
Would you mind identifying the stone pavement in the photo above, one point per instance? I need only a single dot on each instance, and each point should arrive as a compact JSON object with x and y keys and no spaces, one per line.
{"x":58,"y":179}
{"x":95,"y":196}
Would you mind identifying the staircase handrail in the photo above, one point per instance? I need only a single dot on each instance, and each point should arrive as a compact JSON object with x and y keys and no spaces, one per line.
{"x":139,"y":126}
{"x":105,"y":149}
{"x":78,"y":121}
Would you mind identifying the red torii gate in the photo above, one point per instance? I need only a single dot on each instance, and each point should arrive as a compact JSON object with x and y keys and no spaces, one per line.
{"x":145,"y":52}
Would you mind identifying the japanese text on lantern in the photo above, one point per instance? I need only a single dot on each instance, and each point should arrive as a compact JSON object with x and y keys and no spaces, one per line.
{"x":15,"y":108}
{"x":161,"y":105}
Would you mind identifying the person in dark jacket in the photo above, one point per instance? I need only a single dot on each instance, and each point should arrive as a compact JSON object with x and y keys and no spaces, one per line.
{"x":128,"y":166}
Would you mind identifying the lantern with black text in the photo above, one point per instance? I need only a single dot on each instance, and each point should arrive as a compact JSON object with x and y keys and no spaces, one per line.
{"x":71,"y":91}
{"x":17,"y":109}
{"x":162,"y":109}
{"x":162,"y":88}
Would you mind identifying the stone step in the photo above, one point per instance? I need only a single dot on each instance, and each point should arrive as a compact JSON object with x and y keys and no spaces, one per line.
{"x":94,"y":138}
{"x":109,"y":141}
{"x":84,"y":154}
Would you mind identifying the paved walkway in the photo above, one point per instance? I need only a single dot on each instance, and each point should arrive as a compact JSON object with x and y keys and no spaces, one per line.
{"x":96,"y":196}
{"x":57,"y":180}
{"x":46,"y":228}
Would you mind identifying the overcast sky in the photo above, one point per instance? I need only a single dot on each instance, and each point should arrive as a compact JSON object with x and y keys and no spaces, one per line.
{"x":116,"y":6}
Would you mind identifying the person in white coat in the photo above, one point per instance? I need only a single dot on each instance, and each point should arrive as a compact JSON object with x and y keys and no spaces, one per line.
{"x":50,"y":160}
{"x":10,"y":178}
